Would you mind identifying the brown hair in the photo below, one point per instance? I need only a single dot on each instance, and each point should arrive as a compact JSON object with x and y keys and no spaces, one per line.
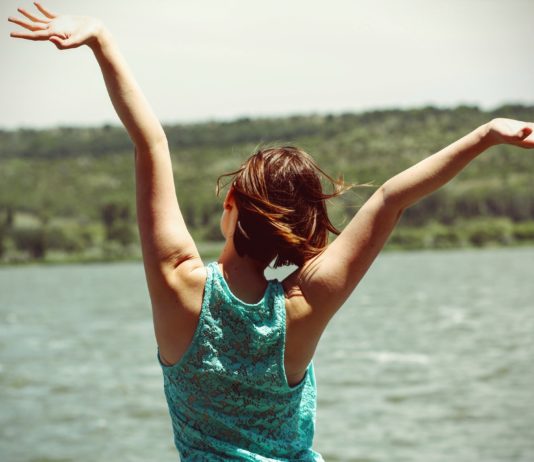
{"x":281,"y":206}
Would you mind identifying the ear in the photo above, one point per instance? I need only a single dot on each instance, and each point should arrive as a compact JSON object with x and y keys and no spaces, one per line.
{"x":229,"y":200}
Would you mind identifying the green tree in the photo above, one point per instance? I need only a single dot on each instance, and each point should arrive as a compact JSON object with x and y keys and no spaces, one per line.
{"x":31,"y":240}
{"x":117,"y":222}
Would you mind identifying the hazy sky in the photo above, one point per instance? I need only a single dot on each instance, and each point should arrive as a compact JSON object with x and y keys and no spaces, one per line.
{"x":220,"y":59}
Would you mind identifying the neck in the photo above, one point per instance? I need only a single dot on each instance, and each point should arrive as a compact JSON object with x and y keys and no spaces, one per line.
{"x":232,"y":261}
{"x":243,"y":274}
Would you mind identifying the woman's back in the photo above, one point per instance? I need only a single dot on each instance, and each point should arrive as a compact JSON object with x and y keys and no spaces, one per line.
{"x":228,"y":395}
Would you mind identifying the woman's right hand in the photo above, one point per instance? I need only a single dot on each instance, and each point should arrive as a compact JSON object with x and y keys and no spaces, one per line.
{"x":64,"y":31}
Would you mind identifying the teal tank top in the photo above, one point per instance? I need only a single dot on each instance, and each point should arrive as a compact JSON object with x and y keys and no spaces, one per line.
{"x":228,"y":396}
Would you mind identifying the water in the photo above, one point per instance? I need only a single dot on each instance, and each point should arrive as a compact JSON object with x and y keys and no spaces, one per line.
{"x":431,"y":359}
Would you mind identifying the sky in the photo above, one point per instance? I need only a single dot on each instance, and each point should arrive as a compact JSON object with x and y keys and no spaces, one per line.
{"x":224,"y":59}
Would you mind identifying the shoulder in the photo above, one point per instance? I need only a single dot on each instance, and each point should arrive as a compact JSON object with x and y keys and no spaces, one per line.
{"x":312,"y":294}
{"x":305,"y":323}
{"x":297,"y":305}
{"x":181,"y":289}
{"x":176,"y":309}
{"x":189,"y":275}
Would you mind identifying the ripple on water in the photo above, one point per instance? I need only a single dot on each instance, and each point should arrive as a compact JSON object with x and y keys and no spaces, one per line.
{"x":395,"y":357}
{"x":427,"y":362}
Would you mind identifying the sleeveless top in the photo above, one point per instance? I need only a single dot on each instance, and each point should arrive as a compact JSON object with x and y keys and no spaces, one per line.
{"x":228,"y":396}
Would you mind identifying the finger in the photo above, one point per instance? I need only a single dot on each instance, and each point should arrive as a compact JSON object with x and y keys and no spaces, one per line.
{"x":43,"y":10}
{"x":27,"y":25}
{"x":37,"y":35}
{"x":30,"y":16}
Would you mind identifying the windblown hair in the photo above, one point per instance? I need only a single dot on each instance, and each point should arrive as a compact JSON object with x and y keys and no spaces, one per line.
{"x":281,"y":205}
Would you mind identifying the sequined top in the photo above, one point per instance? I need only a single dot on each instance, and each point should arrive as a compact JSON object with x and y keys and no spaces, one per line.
{"x":228,"y":396}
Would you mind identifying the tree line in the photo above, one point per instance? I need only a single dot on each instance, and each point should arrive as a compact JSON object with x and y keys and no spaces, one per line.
{"x":69,"y":192}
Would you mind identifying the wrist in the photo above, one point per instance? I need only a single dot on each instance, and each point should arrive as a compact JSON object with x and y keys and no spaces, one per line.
{"x":100,"y":37}
{"x":487,"y":136}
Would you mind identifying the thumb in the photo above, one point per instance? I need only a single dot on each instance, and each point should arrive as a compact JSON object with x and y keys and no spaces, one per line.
{"x":62,"y":43}
{"x":524,"y":133}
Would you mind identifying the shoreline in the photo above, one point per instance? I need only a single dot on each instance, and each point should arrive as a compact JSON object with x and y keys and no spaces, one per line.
{"x":210,"y":251}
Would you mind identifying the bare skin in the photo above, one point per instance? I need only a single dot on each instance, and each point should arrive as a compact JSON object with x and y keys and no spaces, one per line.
{"x":174,"y":270}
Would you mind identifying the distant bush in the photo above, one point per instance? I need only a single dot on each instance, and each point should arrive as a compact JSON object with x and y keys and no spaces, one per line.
{"x":116,"y":218}
{"x":114,"y":250}
{"x":482,"y":232}
{"x":6,"y":223}
{"x":444,"y":237}
{"x":31,"y":240}
{"x":524,"y":232}
{"x":122,"y":232}
{"x":69,"y":237}
{"x":409,"y":238}
{"x":479,"y":232}
{"x":3,"y":235}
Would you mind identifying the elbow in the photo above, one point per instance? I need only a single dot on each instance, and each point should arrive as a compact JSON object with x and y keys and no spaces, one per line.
{"x":391,"y":199}
{"x":393,"y":203}
{"x":153,"y":142}
{"x":159,"y":142}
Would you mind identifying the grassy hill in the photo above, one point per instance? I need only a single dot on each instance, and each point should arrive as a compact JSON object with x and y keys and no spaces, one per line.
{"x":69,"y":193}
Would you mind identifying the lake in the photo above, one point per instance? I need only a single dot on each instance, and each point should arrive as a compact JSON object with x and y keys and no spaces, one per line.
{"x":431,"y":359}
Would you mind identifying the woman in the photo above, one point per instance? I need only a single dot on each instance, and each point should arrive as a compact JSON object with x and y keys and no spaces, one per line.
{"x":236,"y":350}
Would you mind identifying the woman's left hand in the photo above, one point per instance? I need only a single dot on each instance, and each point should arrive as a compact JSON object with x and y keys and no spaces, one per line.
{"x":509,"y":131}
{"x":64,"y":31}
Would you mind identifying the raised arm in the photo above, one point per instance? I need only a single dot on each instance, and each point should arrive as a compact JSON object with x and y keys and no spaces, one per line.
{"x":166,"y":243}
{"x":330,"y":278}
{"x":165,"y":240}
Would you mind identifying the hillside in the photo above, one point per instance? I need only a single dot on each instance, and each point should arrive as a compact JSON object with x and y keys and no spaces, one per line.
{"x":69,"y":192}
